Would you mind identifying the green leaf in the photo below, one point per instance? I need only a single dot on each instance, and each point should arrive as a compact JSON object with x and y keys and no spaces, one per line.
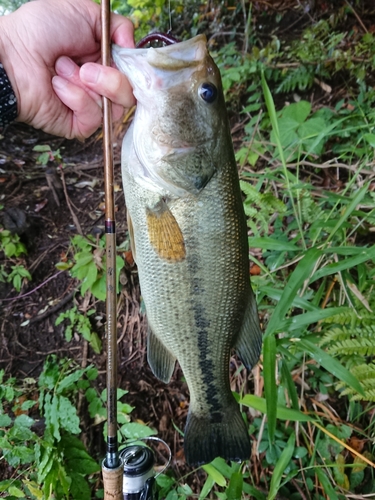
{"x":330,"y":364}
{"x":281,"y":412}
{"x":275,"y":294}
{"x":63,"y":266}
{"x":301,"y":320}
{"x":273,"y":117}
{"x":280,"y":467}
{"x":349,"y":209}
{"x":79,"y":489}
{"x":44,"y":459}
{"x":26,"y":405}
{"x":16,"y":492}
{"x":270,"y":389}
{"x":289,"y":384}
{"x":96,"y":343}
{"x":17,"y":282}
{"x":215,"y":474}
{"x":99,"y":288}
{"x":4,"y":485}
{"x":5,"y":420}
{"x":21,"y":454}
{"x":325,"y":482}
{"x":302,"y":272}
{"x":51,"y":413}
{"x":234,"y":490}
{"x":90,"y":278}
{"x":44,"y":158}
{"x":367,"y":254}
{"x":268,"y":243}
{"x":83,"y":465}
{"x":24,"y":421}
{"x":72,"y":445}
{"x":300,"y":452}
{"x":370,"y":138}
{"x":68,"y":416}
{"x":298,"y":111}
{"x":68,"y":382}
{"x":20,"y":433}
{"x":134,"y":430}
{"x":42,"y":148}
{"x":34,"y":489}
{"x":221,"y":465}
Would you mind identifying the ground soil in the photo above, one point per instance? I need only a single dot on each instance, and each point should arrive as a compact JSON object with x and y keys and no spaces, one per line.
{"x":28,"y":333}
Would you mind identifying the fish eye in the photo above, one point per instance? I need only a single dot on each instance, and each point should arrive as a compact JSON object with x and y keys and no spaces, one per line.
{"x":208,"y":92}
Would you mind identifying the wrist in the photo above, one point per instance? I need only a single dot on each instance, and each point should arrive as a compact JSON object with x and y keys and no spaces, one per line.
{"x":9,"y":95}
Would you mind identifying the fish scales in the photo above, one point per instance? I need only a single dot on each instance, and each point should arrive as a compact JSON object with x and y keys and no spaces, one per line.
{"x":189,"y":238}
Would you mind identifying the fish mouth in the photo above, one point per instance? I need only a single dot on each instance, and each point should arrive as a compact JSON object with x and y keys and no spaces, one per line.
{"x":161,"y":67}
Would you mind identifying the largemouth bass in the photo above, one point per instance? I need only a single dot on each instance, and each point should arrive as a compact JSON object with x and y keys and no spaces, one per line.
{"x":189,"y":238}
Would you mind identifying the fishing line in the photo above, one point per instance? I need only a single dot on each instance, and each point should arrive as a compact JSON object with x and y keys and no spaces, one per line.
{"x":170,"y":17}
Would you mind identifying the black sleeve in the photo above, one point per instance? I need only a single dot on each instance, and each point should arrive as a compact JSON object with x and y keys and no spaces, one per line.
{"x":8,"y":100}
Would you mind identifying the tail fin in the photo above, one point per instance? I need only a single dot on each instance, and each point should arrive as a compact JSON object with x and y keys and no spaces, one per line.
{"x":206,"y":438}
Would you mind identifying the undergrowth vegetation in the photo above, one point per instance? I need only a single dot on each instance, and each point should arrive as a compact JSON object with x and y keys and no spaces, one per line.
{"x":307,"y":172}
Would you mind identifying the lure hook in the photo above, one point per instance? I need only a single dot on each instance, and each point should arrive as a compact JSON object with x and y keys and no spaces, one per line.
{"x":166,"y":38}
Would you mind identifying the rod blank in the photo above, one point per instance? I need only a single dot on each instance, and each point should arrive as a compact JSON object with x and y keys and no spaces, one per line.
{"x":112,"y":467}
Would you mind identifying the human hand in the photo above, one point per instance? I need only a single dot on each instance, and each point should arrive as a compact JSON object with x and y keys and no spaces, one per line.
{"x":50,"y":50}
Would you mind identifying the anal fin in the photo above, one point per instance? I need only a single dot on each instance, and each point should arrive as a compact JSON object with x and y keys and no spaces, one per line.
{"x":161,"y":361}
{"x":248,"y":343}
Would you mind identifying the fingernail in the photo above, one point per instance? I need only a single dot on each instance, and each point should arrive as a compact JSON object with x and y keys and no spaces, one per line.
{"x":89,"y":73}
{"x":58,"y":82}
{"x":65,"y":66}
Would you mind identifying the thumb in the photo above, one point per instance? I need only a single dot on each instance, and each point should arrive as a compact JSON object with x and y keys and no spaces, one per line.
{"x":109,"y":82}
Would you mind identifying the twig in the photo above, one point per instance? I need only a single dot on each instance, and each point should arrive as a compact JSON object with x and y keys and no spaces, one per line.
{"x":75,"y":220}
{"x":329,"y":291}
{"x":295,"y":484}
{"x":33,"y":290}
{"x":53,"y":309}
{"x":349,"y":448}
{"x":357,"y":16}
{"x":41,"y":257}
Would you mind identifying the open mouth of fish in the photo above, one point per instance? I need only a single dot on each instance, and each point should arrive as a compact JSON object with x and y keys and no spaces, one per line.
{"x":146,"y":69}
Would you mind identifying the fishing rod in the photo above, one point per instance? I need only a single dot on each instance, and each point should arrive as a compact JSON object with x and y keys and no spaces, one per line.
{"x":112,"y":467}
{"x":128,"y":475}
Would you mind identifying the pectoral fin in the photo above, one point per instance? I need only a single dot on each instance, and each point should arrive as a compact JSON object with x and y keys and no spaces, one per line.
{"x":159,"y":358}
{"x":164,"y":233}
{"x":248,"y":344}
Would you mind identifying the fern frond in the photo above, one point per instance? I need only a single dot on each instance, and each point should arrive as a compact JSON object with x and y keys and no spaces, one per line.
{"x":310,"y":210}
{"x":353,"y":345}
{"x":358,"y":346}
{"x":337,"y":335}
{"x":365,"y":374}
{"x":350,"y":317}
{"x":300,"y":78}
{"x":252,"y":195}
{"x":273,"y":204}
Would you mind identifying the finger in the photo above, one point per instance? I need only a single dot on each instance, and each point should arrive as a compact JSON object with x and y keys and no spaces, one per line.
{"x":122,"y":31}
{"x":69,"y":70}
{"x":117,"y":112}
{"x":85,"y":115}
{"x":109,"y":82}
